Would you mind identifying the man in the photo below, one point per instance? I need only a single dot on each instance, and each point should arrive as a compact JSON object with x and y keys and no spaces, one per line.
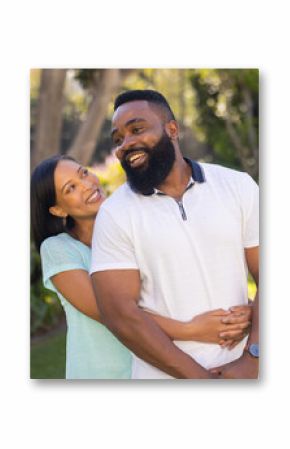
{"x":174,"y":240}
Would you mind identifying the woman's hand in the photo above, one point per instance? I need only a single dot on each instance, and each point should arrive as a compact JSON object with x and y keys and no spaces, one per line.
{"x":224,"y":327}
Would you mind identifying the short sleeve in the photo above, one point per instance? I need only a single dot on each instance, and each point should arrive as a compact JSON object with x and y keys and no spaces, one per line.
{"x":58,"y":256}
{"x":250,"y":209}
{"x":112,"y":247}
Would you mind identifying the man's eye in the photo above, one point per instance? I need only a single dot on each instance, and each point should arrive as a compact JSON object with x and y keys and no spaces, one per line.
{"x":85,"y":172}
{"x":117,"y":142}
{"x":137,"y":130}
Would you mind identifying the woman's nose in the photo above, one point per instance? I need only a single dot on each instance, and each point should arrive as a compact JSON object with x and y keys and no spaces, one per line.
{"x":87,"y":183}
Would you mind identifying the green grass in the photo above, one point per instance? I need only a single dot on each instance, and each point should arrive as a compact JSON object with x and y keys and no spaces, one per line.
{"x":47,"y":358}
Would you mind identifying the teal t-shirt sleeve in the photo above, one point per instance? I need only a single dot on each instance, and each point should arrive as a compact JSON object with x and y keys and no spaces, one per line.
{"x":58,"y":255}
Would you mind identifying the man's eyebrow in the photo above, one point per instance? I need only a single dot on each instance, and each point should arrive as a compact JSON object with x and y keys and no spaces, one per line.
{"x":78,"y":170}
{"x":129,"y":122}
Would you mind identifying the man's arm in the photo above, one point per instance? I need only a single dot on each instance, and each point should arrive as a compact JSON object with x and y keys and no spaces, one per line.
{"x":247,"y":366}
{"x":117,"y":293}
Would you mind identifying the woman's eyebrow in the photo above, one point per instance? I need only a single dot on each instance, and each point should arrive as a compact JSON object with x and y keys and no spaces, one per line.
{"x":67,"y":182}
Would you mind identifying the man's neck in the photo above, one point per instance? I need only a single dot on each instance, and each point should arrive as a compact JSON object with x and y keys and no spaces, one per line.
{"x":176,"y":182}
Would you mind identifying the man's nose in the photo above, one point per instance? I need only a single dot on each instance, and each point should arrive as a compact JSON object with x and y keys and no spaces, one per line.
{"x":128,"y":144}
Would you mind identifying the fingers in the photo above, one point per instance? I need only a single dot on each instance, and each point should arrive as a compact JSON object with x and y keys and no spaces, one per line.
{"x":235,"y":319}
{"x":226,"y":343}
{"x":236,"y":327}
{"x":243,"y":310}
{"x":235,"y":333}
{"x":220,"y":312}
{"x":233,"y":345}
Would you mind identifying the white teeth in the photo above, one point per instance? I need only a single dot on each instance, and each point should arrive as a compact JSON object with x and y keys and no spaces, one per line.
{"x":93,"y":197}
{"x":134,"y":157}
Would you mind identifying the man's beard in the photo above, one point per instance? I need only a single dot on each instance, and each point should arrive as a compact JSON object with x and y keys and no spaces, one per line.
{"x":160,"y":161}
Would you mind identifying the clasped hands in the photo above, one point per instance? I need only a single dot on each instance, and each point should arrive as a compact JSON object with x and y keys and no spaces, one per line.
{"x":227,"y":328}
{"x":224,"y":327}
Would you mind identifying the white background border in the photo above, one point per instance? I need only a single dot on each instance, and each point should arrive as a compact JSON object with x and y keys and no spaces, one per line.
{"x":155,"y":34}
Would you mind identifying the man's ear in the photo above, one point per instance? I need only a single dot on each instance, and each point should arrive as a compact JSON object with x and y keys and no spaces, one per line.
{"x":57,"y":211}
{"x":172,"y":129}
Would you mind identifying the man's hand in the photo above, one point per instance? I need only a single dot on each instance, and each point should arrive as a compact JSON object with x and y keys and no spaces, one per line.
{"x":246,"y":367}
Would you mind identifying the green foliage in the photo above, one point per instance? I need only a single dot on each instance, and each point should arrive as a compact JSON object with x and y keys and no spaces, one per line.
{"x":111,"y":174}
{"x":174,"y":84}
{"x":227,"y":106}
{"x":203,"y":100}
{"x":46,"y":310}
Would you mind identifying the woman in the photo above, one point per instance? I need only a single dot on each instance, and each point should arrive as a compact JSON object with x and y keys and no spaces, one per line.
{"x":65,"y":198}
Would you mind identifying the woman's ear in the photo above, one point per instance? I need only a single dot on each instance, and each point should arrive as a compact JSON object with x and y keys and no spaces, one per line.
{"x":57,"y":211}
{"x":172,"y":129}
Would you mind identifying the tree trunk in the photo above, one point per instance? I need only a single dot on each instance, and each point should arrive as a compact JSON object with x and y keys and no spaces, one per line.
{"x":49,"y":115}
{"x":84,"y":144}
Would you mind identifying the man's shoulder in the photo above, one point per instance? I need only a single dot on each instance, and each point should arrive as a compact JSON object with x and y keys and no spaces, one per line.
{"x":220,"y":170}
{"x":228,"y":179}
{"x":223,"y":175}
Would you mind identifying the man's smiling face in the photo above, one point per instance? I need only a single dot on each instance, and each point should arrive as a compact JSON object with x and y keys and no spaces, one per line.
{"x":142,"y":144}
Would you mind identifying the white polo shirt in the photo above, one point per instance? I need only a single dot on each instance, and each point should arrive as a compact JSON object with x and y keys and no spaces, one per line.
{"x":190,"y":255}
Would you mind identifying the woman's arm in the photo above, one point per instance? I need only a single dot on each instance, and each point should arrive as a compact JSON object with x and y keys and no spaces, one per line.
{"x":216,"y":326}
{"x":76,"y":287}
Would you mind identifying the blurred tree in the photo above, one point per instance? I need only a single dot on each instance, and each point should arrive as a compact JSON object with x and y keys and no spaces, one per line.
{"x":98,"y":85}
{"x":227,"y":103}
{"x":101,"y":85}
{"x":49,"y":115}
{"x":176,"y":86}
{"x":217,"y":110}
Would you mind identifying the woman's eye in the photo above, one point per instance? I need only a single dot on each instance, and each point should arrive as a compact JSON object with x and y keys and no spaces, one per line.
{"x":70,"y":188}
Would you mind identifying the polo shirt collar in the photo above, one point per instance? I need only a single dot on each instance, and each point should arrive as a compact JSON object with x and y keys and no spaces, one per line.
{"x":196,"y":170}
{"x":197,"y":175}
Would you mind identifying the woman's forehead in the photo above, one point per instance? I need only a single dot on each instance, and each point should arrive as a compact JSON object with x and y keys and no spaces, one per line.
{"x":65,"y":169}
{"x":66,"y":165}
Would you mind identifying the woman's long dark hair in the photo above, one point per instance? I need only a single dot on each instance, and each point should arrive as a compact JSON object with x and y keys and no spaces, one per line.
{"x":43,"y":196}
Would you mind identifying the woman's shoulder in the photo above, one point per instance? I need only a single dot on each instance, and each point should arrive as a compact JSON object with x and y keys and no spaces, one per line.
{"x":60,"y":240}
{"x":64,"y":252}
{"x":63,"y":243}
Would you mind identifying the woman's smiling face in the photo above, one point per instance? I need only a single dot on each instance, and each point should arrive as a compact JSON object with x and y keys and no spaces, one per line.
{"x":78,"y":191}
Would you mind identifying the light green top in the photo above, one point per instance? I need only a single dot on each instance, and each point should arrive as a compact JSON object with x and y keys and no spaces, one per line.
{"x":92,"y":351}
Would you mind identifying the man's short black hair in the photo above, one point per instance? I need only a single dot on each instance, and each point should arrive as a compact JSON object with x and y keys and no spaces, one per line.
{"x":152,"y":96}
